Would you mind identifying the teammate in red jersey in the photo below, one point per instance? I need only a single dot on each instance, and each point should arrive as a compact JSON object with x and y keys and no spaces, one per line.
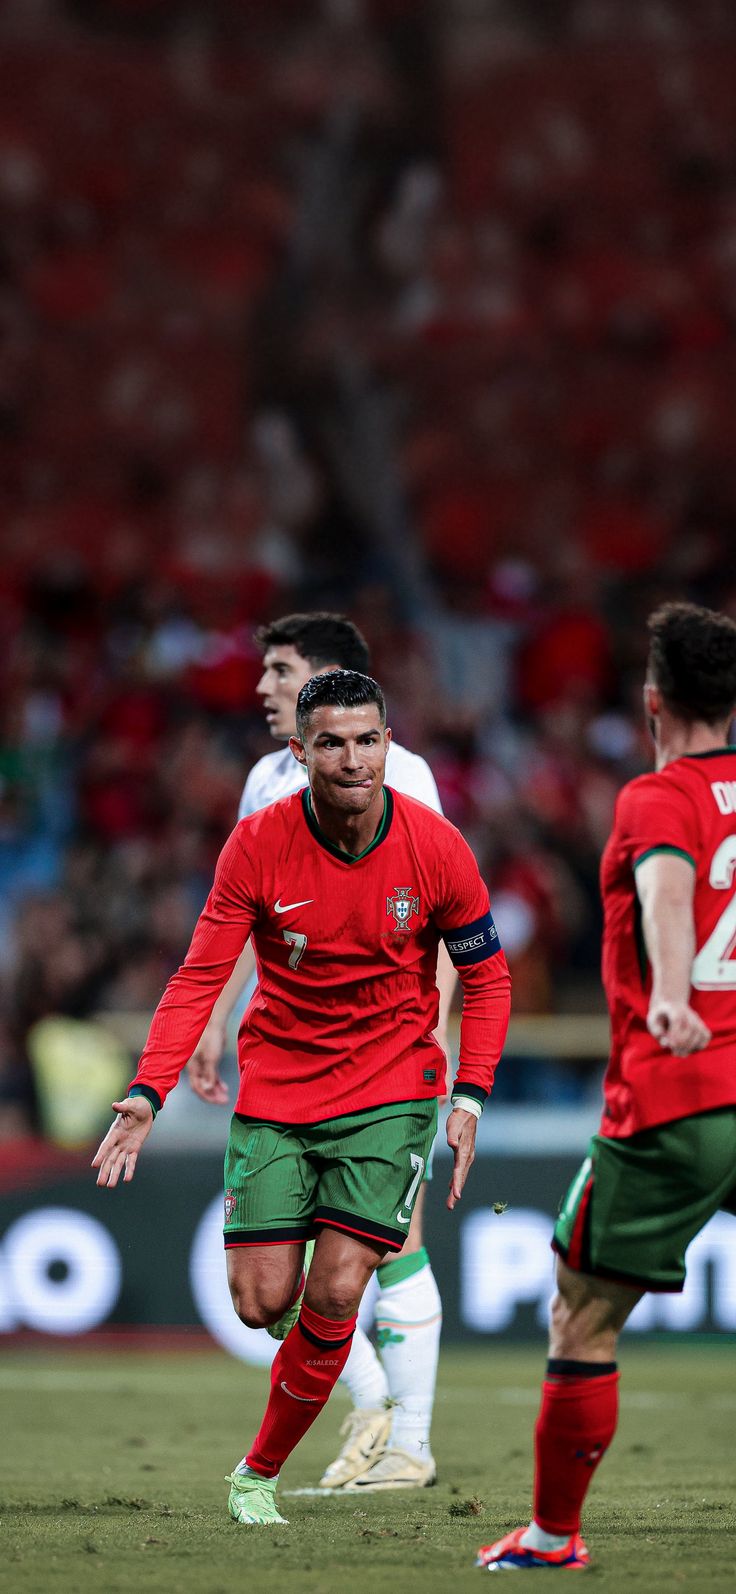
{"x":665,"y":1159}
{"x":346,"y":890}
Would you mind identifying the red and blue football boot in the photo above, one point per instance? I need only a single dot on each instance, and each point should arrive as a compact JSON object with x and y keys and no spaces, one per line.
{"x":510,"y":1555}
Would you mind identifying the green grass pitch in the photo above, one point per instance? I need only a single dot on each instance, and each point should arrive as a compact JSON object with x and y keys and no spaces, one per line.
{"x":112,"y":1466}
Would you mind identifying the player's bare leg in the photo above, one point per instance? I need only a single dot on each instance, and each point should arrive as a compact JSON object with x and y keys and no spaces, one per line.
{"x":576,"y":1422}
{"x":587,"y":1315}
{"x":263,"y":1280}
{"x":311,"y":1358}
{"x":408,"y":1324}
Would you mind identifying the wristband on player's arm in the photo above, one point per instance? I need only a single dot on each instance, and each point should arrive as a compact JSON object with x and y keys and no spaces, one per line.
{"x":470,"y":1097}
{"x":468,"y":1104}
{"x":151,"y":1095}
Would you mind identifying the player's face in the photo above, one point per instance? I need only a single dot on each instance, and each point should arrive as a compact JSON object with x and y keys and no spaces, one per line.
{"x":284,"y":674}
{"x":345,"y":753}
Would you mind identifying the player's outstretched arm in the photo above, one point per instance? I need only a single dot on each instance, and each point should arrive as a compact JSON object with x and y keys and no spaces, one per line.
{"x":118,"y":1152}
{"x":665,"y":885}
{"x":203,"y":1068}
{"x":461,"y":1128}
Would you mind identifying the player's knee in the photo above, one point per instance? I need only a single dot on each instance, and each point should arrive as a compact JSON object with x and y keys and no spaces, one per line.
{"x":247,"y":1309}
{"x":338,"y":1304}
{"x":256,"y":1311}
{"x":337,"y":1297}
{"x":254,"y":1316}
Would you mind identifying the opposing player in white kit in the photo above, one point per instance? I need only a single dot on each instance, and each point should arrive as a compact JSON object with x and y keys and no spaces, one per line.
{"x":387,"y":1433}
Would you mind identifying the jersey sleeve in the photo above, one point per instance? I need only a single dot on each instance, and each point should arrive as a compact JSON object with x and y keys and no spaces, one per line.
{"x":654,"y":817}
{"x":220,"y":934}
{"x":465,"y":921}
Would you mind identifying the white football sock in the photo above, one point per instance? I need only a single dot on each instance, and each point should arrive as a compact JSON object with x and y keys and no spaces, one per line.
{"x":249,"y":1472}
{"x":535,"y":1538}
{"x":363,"y":1374}
{"x":408,"y":1324}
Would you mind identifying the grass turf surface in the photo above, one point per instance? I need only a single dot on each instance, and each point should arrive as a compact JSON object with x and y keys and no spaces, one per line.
{"x":111,"y":1471}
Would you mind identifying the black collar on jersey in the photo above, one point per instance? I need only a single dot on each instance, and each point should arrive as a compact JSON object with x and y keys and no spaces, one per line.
{"x":713,"y":752}
{"x":337,"y":852}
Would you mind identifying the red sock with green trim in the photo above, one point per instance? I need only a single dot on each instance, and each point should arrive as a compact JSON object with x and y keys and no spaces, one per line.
{"x":576,"y":1423}
{"x":303,"y":1376}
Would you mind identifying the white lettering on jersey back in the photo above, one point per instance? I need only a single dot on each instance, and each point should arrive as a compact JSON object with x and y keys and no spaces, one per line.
{"x":724,"y":792}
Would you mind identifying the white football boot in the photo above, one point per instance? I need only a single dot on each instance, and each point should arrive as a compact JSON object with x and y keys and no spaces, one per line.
{"x":366,"y":1433}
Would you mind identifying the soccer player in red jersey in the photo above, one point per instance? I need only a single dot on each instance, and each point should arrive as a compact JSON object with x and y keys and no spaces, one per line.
{"x":346,"y":889}
{"x":665,"y":1158}
{"x":387,"y":1434}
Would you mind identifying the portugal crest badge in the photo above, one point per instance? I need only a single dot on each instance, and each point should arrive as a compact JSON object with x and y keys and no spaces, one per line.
{"x":230,"y":1201}
{"x":401,"y":906}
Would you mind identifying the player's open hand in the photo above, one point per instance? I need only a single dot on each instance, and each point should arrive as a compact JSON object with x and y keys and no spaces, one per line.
{"x":677,"y":1027}
{"x":203,"y":1067}
{"x":461,"y":1127}
{"x":118,"y":1152}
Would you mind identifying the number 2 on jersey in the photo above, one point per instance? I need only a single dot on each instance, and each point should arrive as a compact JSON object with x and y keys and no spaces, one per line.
{"x":714,"y":968}
{"x":298,"y":944}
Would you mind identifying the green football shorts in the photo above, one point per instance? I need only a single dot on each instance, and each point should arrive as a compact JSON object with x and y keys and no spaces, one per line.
{"x":359,"y":1173}
{"x":635,"y":1204}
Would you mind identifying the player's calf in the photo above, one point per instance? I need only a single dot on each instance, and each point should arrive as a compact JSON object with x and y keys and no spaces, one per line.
{"x":587,"y":1315}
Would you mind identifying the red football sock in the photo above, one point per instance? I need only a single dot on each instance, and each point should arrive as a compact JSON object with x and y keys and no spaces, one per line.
{"x":576,"y":1423}
{"x":303,"y":1375}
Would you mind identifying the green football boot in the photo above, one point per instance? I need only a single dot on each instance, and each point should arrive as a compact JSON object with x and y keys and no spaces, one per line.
{"x":280,"y":1329}
{"x":253,"y":1500}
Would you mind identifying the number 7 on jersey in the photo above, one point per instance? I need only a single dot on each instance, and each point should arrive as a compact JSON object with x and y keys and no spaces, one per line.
{"x":298,"y":944}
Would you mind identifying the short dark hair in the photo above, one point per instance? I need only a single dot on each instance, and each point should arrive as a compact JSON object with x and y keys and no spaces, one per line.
{"x":692,"y":659}
{"x":320,"y":638}
{"x":337,"y":689}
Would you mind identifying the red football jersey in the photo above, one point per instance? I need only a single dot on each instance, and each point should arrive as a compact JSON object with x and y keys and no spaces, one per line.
{"x":689,"y":807}
{"x":346,"y":950}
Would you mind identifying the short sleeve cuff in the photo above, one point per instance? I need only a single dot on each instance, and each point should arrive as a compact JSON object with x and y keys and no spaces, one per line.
{"x":678,"y":852}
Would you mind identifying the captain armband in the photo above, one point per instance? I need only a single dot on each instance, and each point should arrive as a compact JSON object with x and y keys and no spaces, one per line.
{"x":472,"y":943}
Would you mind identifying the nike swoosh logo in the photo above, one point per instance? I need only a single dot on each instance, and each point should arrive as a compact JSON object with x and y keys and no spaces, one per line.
{"x":286,"y":907}
{"x":307,"y":1400}
{"x":401,"y":1219}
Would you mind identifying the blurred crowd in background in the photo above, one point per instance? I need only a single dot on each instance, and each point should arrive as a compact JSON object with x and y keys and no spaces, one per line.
{"x":421,"y":313}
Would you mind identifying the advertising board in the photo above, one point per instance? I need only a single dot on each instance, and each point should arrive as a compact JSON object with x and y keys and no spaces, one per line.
{"x":74,"y":1259}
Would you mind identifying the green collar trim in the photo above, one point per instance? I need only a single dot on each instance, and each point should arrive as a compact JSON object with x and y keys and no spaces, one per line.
{"x":337,"y":852}
{"x":713,"y":752}
{"x":664,"y":846}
